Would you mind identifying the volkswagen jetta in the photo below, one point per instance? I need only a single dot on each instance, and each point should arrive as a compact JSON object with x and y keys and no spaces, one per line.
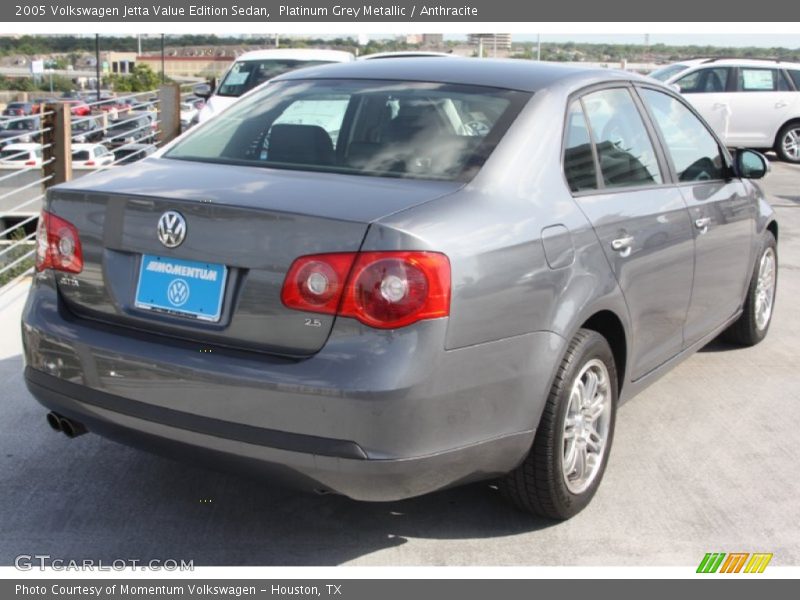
{"x":385,"y":278}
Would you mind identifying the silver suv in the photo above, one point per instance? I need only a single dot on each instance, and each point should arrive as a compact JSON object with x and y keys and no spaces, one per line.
{"x":749,"y":103}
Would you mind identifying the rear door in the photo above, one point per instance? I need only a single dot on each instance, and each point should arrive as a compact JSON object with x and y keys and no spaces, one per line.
{"x":762,"y":102}
{"x":722,"y":214}
{"x":639,"y":217}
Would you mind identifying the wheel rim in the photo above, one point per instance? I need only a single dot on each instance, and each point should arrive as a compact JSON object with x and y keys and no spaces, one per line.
{"x":765,"y":288}
{"x":791,"y":143}
{"x":586,"y":426}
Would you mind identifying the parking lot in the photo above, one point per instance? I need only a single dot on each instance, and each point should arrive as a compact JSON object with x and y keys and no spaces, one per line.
{"x":703,"y":461}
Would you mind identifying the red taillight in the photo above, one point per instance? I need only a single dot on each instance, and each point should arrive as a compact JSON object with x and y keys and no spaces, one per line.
{"x":30,"y":163}
{"x":315,"y":283}
{"x":57,"y":245}
{"x":383,"y":289}
{"x":89,"y":163}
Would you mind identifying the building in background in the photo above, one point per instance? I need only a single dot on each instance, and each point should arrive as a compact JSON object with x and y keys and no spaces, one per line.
{"x":501,"y":41}
{"x":187,"y":66}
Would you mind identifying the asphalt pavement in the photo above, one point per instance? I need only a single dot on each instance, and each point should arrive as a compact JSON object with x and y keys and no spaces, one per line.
{"x":703,"y":461}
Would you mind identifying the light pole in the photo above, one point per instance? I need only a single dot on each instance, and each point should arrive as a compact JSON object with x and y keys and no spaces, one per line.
{"x":97,"y":62}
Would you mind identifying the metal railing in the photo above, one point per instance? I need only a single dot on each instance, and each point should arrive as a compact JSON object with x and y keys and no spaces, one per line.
{"x":49,"y":152}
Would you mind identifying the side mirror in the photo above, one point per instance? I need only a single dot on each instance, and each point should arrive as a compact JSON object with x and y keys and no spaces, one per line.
{"x":751,"y":164}
{"x":675,"y":87}
{"x":202,"y":90}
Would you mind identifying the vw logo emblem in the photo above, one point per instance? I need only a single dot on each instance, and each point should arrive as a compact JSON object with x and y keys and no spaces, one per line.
{"x":171,"y":229}
{"x":178,"y":292}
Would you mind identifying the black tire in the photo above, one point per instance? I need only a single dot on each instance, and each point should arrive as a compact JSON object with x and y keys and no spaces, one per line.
{"x":538,"y":485}
{"x":745,"y":331}
{"x":780,"y":150}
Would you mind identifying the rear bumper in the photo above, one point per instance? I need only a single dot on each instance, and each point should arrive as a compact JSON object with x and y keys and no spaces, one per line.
{"x":302,"y":467}
{"x":375,"y":415}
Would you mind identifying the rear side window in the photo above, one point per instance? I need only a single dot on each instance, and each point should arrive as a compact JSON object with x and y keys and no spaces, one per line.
{"x":624,"y":149}
{"x":705,"y":81}
{"x":579,"y":167}
{"x":762,"y":80}
{"x":361,"y":127}
{"x":693,"y":150}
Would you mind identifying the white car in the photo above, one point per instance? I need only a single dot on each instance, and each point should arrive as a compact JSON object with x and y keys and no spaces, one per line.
{"x":91,"y":156}
{"x":750,"y":103}
{"x":254,"y":68}
{"x":21,"y":156}
{"x":188,"y":113}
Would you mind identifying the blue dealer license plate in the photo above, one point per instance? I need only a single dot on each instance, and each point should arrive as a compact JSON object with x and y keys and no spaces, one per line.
{"x":182,"y":287}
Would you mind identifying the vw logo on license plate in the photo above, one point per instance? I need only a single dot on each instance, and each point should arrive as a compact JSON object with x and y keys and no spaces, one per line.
{"x":178,"y":292}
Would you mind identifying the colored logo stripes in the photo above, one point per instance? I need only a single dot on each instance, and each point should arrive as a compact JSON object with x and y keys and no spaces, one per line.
{"x":735,"y":562}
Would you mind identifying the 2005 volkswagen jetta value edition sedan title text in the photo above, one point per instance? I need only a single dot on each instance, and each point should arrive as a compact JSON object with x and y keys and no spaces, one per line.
{"x":384,"y":278}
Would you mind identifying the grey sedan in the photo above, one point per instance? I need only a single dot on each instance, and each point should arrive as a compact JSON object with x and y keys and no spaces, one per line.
{"x":384,"y":278}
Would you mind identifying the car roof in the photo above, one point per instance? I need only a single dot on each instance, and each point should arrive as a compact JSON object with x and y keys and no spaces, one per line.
{"x":512,"y":74}
{"x":407,"y":54}
{"x":299,"y":54}
{"x":742,"y":62}
{"x":84,"y":146}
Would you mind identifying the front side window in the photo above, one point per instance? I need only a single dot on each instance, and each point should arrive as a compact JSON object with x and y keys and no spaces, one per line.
{"x":624,"y":149}
{"x":247,"y":74}
{"x":379,"y":128}
{"x":693,"y":150}
{"x":705,"y":81}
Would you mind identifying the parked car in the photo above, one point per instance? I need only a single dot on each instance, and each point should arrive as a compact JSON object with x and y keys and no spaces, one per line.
{"x":21,"y":156}
{"x":749,"y":103}
{"x":86,"y":129}
{"x":18,"y":109}
{"x":133,"y":127}
{"x":130,"y":153}
{"x":114,"y":106}
{"x":252,"y":69}
{"x":188,"y":113}
{"x":91,"y":156}
{"x":78,"y":107}
{"x":21,"y":131}
{"x":492,"y":257}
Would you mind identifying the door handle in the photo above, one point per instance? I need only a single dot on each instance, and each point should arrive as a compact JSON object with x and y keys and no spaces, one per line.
{"x":781,"y":104}
{"x":718,"y":105}
{"x":702,"y":224}
{"x":622,"y":245}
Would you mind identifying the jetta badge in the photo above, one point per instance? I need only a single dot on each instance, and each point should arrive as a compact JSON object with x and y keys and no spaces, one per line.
{"x":171,"y":229}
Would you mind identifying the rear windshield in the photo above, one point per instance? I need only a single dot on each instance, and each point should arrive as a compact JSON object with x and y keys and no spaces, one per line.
{"x":380,"y":128}
{"x":247,"y":74}
{"x":665,"y":73}
{"x":80,"y":155}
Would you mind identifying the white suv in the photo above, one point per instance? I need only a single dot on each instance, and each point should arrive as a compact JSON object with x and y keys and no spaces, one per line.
{"x":750,"y":103}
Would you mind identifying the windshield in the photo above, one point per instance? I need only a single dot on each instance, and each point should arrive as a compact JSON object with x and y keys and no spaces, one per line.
{"x":381,"y":128}
{"x":247,"y":74}
{"x":665,"y":73}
